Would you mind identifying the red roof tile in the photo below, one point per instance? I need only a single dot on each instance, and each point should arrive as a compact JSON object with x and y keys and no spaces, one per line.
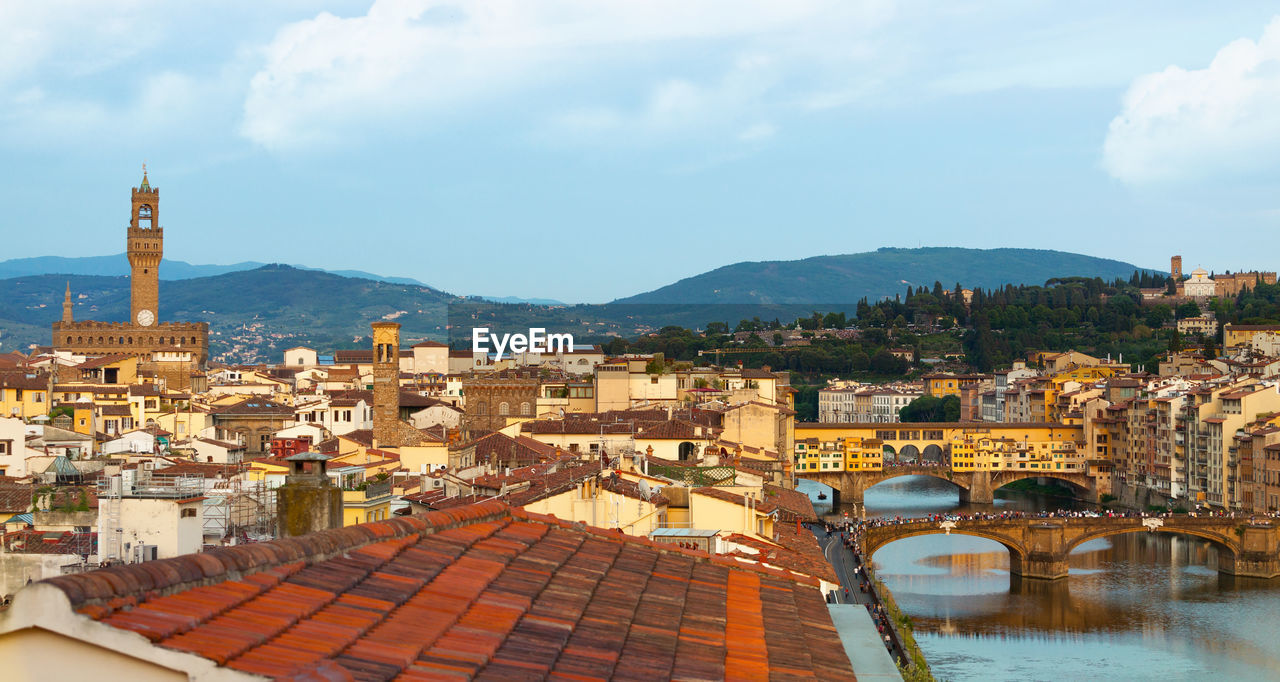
{"x":480,"y":590}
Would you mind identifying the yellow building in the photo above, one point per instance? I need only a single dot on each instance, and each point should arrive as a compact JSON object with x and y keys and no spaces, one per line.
{"x":942,"y":385}
{"x":117,"y":368}
{"x":842,"y":454}
{"x":1234,"y":335}
{"x":23,"y":396}
{"x":608,"y":503}
{"x":985,"y":452}
{"x":837,"y":447}
{"x":728,"y":512}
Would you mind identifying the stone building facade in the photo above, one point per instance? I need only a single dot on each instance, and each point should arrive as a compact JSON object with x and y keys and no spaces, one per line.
{"x":493,"y":397}
{"x":144,"y":334}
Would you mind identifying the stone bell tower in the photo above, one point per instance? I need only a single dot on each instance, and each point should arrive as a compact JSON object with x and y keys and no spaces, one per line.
{"x":386,"y":383}
{"x":145,"y":248}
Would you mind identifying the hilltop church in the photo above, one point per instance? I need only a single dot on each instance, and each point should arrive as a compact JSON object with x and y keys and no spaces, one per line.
{"x":166,"y":350}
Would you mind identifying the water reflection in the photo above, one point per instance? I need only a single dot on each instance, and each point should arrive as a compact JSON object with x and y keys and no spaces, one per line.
{"x":1136,"y":606}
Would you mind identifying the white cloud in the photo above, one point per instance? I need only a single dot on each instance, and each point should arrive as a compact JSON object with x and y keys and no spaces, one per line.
{"x":681,"y":107}
{"x":757,"y":131}
{"x":1179,"y":125}
{"x":330,"y":78}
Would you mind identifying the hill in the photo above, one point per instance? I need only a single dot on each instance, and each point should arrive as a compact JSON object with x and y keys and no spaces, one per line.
{"x":118,"y":266}
{"x":878,"y":274}
{"x":253,"y":314}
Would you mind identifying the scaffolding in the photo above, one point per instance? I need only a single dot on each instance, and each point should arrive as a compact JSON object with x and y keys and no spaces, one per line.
{"x":236,"y":512}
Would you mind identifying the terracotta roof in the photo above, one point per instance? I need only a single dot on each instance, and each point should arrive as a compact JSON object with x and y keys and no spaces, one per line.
{"x":792,"y":504}
{"x":499,"y":448}
{"x":757,"y":374}
{"x":479,"y":590}
{"x":24,"y":382}
{"x":429,"y":344}
{"x":15,"y":498}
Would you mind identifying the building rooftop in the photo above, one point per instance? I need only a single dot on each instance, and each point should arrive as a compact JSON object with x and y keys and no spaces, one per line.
{"x":482,"y":590}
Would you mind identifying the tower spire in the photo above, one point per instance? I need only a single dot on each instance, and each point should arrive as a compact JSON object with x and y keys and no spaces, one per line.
{"x":66,"y":304}
{"x":145,"y":185}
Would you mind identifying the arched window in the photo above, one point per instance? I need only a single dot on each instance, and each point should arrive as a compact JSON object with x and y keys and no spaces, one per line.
{"x":68,"y":340}
{"x":79,"y":339}
{"x":130,"y":340}
{"x":111,"y":340}
{"x":482,"y":409}
{"x":504,"y":409}
{"x":525,"y":410}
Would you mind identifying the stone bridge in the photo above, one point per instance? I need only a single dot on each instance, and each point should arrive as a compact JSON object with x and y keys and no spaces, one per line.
{"x":1038,"y":547}
{"x":975,"y":486}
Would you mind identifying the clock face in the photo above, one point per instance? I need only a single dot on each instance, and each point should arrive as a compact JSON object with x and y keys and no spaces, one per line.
{"x":146,"y":318}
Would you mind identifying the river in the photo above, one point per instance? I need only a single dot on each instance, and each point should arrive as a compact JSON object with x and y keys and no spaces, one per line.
{"x":1135,"y":607}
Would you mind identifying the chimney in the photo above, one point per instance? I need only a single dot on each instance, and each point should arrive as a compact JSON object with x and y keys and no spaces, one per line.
{"x":308,"y":501}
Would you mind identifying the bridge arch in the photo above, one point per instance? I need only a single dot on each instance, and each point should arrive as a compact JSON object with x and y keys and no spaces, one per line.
{"x":886,"y":475}
{"x":1218,"y":540}
{"x":874,"y":543}
{"x":1080,"y":483}
{"x":909,"y":453}
{"x":932,"y":453}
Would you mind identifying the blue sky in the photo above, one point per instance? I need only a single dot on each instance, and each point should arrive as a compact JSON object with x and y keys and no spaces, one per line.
{"x":586,"y":150}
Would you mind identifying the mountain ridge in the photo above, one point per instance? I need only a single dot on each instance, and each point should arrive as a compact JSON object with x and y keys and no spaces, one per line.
{"x":846,"y":278}
{"x":255,"y":314}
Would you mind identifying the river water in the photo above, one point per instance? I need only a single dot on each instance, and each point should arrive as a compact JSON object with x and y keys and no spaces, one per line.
{"x":1136,"y":607}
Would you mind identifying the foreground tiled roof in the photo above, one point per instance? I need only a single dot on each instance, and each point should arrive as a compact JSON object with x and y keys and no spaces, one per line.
{"x":483,"y":591}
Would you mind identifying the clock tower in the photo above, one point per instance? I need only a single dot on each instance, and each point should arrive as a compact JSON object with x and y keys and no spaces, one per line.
{"x":145,"y":248}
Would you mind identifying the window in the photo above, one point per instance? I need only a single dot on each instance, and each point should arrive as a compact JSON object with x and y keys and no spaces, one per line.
{"x":525,"y":410}
{"x":38,"y":397}
{"x":188,"y":513}
{"x":4,"y":448}
{"x":503,"y":409}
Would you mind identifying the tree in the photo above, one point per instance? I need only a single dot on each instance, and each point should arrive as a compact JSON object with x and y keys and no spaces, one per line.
{"x":931,"y":409}
{"x":1188,"y":309}
{"x":715,"y":328}
{"x":885,"y":362}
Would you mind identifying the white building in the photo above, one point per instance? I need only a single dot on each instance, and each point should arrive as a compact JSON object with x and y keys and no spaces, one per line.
{"x":836,"y":405}
{"x":430,"y":357}
{"x":1200,"y":285}
{"x":13,"y":447}
{"x":886,"y":404}
{"x":300,"y":357}
{"x":142,"y":519}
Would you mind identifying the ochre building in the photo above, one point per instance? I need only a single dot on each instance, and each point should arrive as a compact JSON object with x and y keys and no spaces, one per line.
{"x":170,"y":350}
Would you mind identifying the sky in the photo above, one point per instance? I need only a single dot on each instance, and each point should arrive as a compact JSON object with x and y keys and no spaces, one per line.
{"x":584,"y":150}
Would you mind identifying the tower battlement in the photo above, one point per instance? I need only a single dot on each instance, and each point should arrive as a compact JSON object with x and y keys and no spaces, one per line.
{"x":146,"y":232}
